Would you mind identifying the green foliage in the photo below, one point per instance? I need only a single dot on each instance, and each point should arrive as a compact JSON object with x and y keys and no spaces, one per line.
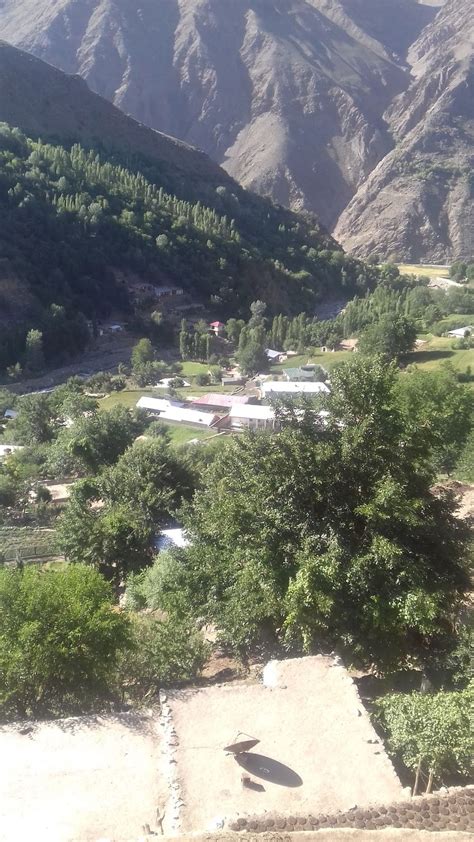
{"x":35,"y":423}
{"x":34,"y":354}
{"x":326,"y":534}
{"x":464,"y":468}
{"x":59,"y":640}
{"x":163,"y":651}
{"x":96,"y":441}
{"x":138,"y":495}
{"x":392,"y":337}
{"x":251,"y":355}
{"x":70,"y":216}
{"x":431,"y":731}
{"x":435,"y":402}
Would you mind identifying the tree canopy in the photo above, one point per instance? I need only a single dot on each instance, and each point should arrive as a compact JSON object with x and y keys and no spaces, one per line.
{"x":326,"y":533}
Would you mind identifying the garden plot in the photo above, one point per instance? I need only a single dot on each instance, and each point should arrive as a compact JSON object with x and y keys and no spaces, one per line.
{"x":81,"y":779}
{"x":318,"y":752}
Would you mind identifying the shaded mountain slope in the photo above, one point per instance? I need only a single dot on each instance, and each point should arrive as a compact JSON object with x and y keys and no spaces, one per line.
{"x":358,"y":110}
{"x":287,"y":94}
{"x":76,"y":220}
{"x":45,"y":102}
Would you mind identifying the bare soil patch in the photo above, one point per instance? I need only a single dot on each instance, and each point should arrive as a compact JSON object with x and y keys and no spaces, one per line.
{"x":81,"y":779}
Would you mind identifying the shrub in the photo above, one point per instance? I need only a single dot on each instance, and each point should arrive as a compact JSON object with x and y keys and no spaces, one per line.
{"x":59,"y":640}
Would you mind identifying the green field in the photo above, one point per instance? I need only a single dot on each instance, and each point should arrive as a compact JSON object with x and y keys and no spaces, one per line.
{"x":437,"y":351}
{"x":430,"y":270}
{"x":327,"y":360}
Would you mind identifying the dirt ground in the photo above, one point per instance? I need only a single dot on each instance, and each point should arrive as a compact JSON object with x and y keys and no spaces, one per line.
{"x":318,"y":751}
{"x":78,"y":780}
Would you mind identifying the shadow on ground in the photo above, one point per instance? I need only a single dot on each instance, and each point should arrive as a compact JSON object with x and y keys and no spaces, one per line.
{"x":268,"y":769}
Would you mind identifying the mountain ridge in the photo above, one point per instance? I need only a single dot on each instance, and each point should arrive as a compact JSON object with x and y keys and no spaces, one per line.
{"x":300,"y":100}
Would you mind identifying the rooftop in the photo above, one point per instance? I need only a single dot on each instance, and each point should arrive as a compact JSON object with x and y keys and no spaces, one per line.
{"x":188,"y":416}
{"x":293,"y":388}
{"x":215,"y":399}
{"x":155,"y":404}
{"x":263,"y":413}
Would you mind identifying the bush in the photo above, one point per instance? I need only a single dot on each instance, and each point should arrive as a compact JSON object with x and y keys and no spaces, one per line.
{"x":163,"y":651}
{"x":59,"y":640}
{"x":430,"y":733}
{"x":203,"y":379}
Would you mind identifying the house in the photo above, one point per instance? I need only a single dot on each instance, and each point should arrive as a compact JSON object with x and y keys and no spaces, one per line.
{"x":10,"y":414}
{"x":461,"y":332}
{"x":233,"y":381}
{"x":280,"y":387}
{"x":301,"y":374}
{"x":275,"y":356}
{"x":217,"y":328}
{"x":217,"y":401}
{"x":249,"y":417}
{"x":192,"y":417}
{"x":155,"y":404}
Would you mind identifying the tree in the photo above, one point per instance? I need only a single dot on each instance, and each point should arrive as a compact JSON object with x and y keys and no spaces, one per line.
{"x":391,"y":336}
{"x":59,"y":640}
{"x":251,"y":355}
{"x":115,"y":538}
{"x":336,"y":541}
{"x":233,"y":328}
{"x":97,"y":440}
{"x":138,"y":496}
{"x":151,"y":477}
{"x":36,"y":421}
{"x":142,"y":359}
{"x":34,"y":354}
{"x":437,"y":403}
{"x":431,"y":733}
{"x":257,"y":310}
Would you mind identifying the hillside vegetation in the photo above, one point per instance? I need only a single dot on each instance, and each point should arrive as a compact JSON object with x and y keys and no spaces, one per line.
{"x":72,"y":216}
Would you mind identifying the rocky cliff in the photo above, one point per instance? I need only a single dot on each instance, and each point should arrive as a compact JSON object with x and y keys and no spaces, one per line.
{"x":418,"y":201}
{"x":313,"y":102}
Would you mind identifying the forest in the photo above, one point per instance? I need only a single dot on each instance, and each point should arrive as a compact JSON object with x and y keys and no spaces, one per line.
{"x":71,"y":217}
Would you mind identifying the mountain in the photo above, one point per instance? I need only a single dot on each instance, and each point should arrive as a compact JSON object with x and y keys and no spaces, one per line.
{"x":46,"y":102}
{"x":300,"y":100}
{"x":418,"y":201}
{"x":93,"y":203}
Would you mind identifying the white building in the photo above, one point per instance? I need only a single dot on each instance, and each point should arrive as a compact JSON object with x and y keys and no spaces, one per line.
{"x":460,"y":332}
{"x":154,"y":404}
{"x":251,"y":417}
{"x":182,"y":415}
{"x":281,"y":387}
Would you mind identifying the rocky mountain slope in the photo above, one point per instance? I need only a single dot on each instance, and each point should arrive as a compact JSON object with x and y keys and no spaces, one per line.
{"x":419,"y":200}
{"x":297,"y":99}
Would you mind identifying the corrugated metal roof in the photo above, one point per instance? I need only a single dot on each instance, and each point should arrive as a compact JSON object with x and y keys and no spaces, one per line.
{"x":156,"y":404}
